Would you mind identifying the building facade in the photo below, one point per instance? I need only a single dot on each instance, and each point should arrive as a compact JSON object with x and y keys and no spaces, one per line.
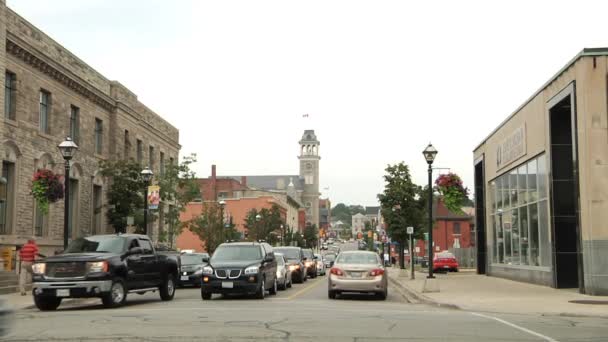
{"x":50,"y":94}
{"x":541,"y":184}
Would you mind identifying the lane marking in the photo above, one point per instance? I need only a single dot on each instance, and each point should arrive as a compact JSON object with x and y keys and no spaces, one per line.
{"x":306,"y":289}
{"x":512,"y":325}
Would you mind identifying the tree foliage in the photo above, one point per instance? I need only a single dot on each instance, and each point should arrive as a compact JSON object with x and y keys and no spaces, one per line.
{"x":268,"y":227}
{"x":311,"y":235}
{"x":211,"y":228}
{"x":345,"y":212}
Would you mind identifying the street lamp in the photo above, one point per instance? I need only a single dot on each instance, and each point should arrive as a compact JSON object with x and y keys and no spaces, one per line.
{"x":68,"y":149}
{"x":282,"y":235}
{"x":146,"y":175}
{"x":429,"y":154}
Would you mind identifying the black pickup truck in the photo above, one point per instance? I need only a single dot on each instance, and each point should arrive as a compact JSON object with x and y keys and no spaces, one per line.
{"x":104,"y":266}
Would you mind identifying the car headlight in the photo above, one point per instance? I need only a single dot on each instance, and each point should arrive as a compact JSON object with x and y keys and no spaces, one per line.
{"x":207,"y":270}
{"x":279,"y":275}
{"x":308,"y":264}
{"x":252,"y":270}
{"x":97,"y":266}
{"x":38,"y":268}
{"x":294,"y":267}
{"x":199,"y":271}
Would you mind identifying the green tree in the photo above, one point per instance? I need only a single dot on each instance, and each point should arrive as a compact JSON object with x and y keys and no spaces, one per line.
{"x":211,"y":228}
{"x":178,"y":187}
{"x":267,"y":227}
{"x":125,"y":194}
{"x":403,"y":205}
{"x":311,"y":235}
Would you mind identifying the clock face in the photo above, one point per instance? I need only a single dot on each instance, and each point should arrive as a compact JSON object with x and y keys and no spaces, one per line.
{"x":308,"y":166}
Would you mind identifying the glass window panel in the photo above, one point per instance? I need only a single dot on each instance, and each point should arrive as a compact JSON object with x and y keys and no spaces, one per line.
{"x":38,"y":222}
{"x":499,"y":193}
{"x":500,"y":251}
{"x":543,"y":226}
{"x":542,"y":177}
{"x":513,"y":187}
{"x":506,"y":225}
{"x":523,"y":240}
{"x":515,"y":237}
{"x":532,"y":189}
{"x":492,"y":192}
{"x":533,"y":238}
{"x":4,"y":200}
{"x":522,"y":184}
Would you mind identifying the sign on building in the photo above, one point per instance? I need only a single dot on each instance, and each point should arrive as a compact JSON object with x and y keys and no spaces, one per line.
{"x":512,"y":147}
{"x":153,"y":196}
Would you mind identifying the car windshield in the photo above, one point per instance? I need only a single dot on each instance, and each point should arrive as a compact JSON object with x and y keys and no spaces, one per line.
{"x":357,"y":258}
{"x":444,"y":256}
{"x":192,"y":259}
{"x":307,"y":254}
{"x":289,"y":253}
{"x":99,"y":244}
{"x":330,"y":257}
{"x":280,"y":260}
{"x":233,"y":253}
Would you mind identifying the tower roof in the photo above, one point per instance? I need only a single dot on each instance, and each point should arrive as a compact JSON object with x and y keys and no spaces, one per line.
{"x":309,"y":137}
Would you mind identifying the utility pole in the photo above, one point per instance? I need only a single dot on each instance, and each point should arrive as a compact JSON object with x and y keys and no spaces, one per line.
{"x":410,"y":232}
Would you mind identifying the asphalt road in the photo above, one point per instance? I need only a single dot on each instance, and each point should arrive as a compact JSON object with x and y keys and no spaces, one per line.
{"x":302,"y":313}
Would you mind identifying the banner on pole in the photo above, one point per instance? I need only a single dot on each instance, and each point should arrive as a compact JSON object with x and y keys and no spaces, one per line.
{"x":153,"y":196}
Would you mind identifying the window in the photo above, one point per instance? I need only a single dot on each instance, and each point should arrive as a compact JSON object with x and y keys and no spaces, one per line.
{"x":7,"y":197}
{"x":146,"y":246}
{"x":10,"y":92}
{"x":96,"y":210}
{"x":222,"y":194}
{"x":456,"y":228}
{"x":98,"y":136}
{"x":40,"y":220}
{"x":140,"y":151}
{"x":308,"y":179}
{"x":151,"y":157}
{"x":75,"y":124}
{"x":171,"y":160}
{"x":45,"y":110}
{"x":162,"y":164}
{"x":520,"y":216}
{"x":126,"y":153}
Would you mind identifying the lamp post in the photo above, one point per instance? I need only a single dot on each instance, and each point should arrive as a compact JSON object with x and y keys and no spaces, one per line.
{"x":67,"y":149}
{"x":429,"y":154}
{"x":282,"y":235}
{"x":146,"y":175}
{"x":222,"y":204}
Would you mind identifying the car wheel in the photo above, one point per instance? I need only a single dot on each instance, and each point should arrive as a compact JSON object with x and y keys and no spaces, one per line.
{"x":47,"y":303}
{"x":290,"y":282}
{"x":273,"y":289}
{"x":304,"y":277}
{"x":117,"y":295}
{"x":261,"y":291}
{"x":206,"y":295}
{"x":331,"y":294}
{"x":314,"y":274}
{"x":382,"y":295}
{"x":167,"y":288}
{"x":283,"y":286}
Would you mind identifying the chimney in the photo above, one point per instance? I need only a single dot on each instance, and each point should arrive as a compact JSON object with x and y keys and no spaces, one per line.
{"x":244,"y":181}
{"x":213,"y":183}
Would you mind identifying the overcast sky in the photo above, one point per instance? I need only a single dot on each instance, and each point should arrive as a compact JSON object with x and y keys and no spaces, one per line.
{"x":379,"y":79}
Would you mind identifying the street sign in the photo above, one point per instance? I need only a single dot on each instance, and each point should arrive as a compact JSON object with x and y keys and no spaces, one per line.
{"x":417,"y":249}
{"x":410,"y":230}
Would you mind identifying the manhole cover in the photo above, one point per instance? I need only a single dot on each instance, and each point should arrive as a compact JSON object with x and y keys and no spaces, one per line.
{"x":594,"y":302}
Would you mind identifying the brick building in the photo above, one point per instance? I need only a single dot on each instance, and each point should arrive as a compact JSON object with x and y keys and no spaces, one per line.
{"x":50,"y":94}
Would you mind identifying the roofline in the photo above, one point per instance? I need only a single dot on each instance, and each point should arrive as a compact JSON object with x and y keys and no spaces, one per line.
{"x":586,"y":52}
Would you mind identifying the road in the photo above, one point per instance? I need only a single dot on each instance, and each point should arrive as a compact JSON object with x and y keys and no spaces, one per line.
{"x":303,"y":313}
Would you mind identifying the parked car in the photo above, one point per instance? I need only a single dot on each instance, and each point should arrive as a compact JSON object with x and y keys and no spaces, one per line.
{"x":191,"y":272}
{"x":320,"y":264}
{"x":334,"y":249}
{"x":240,"y":268}
{"x":310,"y":263}
{"x":283,"y":272}
{"x":329,"y":259}
{"x":357,"y":271}
{"x":295,"y":261}
{"x":445,"y":261}
{"x":104,"y":266}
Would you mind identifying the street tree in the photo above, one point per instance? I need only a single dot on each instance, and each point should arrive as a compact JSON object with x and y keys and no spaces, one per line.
{"x":403,"y":205}
{"x":211,"y":227}
{"x":125,"y":195}
{"x":311,"y":235}
{"x":265,"y":224}
{"x":178,"y":187}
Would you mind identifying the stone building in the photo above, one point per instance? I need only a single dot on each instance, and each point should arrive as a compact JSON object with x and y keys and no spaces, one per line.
{"x":50,"y":94}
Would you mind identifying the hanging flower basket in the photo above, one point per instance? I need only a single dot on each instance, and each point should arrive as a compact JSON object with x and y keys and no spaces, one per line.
{"x":47,"y":188}
{"x":453,"y":192}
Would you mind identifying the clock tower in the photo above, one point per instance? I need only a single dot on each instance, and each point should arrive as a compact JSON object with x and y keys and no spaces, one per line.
{"x":309,"y":173}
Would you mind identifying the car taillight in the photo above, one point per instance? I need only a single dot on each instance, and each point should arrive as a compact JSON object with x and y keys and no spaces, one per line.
{"x":336,"y":271}
{"x":376,"y":272}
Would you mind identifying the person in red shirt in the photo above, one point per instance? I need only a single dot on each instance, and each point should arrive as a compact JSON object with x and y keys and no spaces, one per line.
{"x":28,"y":254}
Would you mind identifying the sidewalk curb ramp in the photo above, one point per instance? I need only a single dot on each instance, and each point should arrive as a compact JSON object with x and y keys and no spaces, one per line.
{"x":420,"y":297}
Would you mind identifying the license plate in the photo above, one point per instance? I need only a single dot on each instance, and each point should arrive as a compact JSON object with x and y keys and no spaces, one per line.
{"x":227,"y":285}
{"x":446,"y":266}
{"x":185,"y":278}
{"x":63,"y":293}
{"x":356,"y":274}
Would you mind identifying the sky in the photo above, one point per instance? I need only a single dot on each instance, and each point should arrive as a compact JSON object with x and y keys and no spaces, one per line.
{"x":379,"y":79}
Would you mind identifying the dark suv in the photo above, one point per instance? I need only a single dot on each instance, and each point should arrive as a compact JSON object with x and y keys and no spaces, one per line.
{"x":295,"y":261}
{"x":240,"y":268}
{"x":310,"y":262}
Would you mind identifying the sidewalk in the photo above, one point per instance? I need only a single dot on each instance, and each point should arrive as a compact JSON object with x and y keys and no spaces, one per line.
{"x":469,"y":291}
{"x":19,"y":302}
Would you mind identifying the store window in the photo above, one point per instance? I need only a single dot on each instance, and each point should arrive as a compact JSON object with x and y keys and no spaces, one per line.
{"x":520,"y":217}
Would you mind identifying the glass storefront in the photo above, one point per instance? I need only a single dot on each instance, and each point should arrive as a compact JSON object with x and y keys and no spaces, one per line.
{"x":520,"y":224}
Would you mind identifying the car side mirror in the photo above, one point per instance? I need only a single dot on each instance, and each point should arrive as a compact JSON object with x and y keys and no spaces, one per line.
{"x":316,"y":258}
{"x":206,"y":259}
{"x":268,"y":258}
{"x":135,"y":250}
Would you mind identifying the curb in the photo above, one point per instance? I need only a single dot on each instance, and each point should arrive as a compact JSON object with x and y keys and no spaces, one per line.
{"x":420,"y":297}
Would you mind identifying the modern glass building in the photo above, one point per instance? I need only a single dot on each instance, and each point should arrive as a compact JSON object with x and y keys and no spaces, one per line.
{"x":541,"y":183}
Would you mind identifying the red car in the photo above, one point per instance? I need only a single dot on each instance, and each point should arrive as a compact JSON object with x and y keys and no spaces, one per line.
{"x":445,"y":261}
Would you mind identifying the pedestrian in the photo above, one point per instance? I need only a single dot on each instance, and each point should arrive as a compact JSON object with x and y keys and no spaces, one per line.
{"x":27,"y":254}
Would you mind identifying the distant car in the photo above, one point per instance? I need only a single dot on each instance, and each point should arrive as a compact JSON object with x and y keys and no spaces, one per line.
{"x":320,"y":264}
{"x":329,"y":259}
{"x":445,"y":261}
{"x":324,"y":246}
{"x":191,"y":271}
{"x":310,"y":263}
{"x":295,"y":261}
{"x":240,"y":268}
{"x":357,"y":271}
{"x":283,"y":272}
{"x":335,"y":249}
